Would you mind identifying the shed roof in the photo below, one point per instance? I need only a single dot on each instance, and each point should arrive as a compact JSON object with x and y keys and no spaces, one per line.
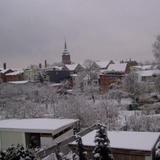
{"x":143,"y":141}
{"x":37,"y":125}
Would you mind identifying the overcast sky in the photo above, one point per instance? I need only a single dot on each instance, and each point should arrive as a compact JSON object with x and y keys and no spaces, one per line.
{"x":34,"y":30}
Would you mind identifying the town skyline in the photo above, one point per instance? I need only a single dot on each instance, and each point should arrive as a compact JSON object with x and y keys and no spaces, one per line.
{"x":97,"y":30}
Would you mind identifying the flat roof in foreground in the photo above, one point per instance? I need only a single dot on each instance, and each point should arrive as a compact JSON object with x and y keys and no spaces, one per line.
{"x":36,"y":125}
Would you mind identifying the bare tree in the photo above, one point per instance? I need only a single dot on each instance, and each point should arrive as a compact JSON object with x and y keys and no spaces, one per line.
{"x":131,"y":84}
{"x":156,"y":49}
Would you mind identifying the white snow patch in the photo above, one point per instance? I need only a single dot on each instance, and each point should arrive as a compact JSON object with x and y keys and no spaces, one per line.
{"x":18,"y":82}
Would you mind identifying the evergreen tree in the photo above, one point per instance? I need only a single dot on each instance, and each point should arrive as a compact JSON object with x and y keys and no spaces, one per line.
{"x":158,"y":152}
{"x":81,"y":150}
{"x":102,"y":149}
{"x":17,"y":153}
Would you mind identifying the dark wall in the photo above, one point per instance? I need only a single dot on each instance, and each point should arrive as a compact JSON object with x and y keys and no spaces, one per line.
{"x":58,"y":76}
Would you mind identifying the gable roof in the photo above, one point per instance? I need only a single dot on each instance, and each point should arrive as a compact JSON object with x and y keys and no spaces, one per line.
{"x":103,"y":64}
{"x":71,"y":67}
{"x":143,"y":141}
{"x":3,"y":71}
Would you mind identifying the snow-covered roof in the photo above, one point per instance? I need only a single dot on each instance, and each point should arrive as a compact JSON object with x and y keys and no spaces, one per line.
{"x":145,"y":67}
{"x":5,"y":70}
{"x":71,"y":67}
{"x":148,"y":73}
{"x":14,"y":73}
{"x":103,"y":64}
{"x":117,"y":67}
{"x":18,"y":82}
{"x":37,"y":125}
{"x":143,"y":141}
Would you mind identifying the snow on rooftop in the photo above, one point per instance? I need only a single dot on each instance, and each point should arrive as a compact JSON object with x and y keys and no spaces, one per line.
{"x":14,"y":73}
{"x":125,"y":140}
{"x":38,"y":125}
{"x":71,"y":67}
{"x":18,"y":82}
{"x":117,"y":67}
{"x":58,"y":67}
{"x":148,"y":73}
{"x":5,"y":70}
{"x":103,"y":64}
{"x":146,"y":67}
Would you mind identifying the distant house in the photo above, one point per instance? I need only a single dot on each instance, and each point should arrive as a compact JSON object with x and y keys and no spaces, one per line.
{"x":103,"y":64}
{"x":58,"y":74}
{"x":145,"y":67}
{"x":117,"y":68}
{"x":130,"y":64}
{"x":74,"y":68}
{"x":91,"y":80}
{"x":113,"y":74}
{"x":125,"y":145}
{"x":147,"y":75}
{"x":32,"y":73}
{"x":15,"y":76}
{"x":34,"y":132}
{"x":3,"y":73}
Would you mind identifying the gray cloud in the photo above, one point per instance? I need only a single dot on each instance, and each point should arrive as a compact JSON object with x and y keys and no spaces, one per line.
{"x":34,"y":30}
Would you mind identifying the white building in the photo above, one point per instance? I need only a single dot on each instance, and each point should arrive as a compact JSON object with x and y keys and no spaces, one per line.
{"x":35,"y":132}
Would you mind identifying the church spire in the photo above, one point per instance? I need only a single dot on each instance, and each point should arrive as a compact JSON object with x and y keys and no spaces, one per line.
{"x":65,"y":55}
{"x":65,"y":48}
{"x":65,"y":45}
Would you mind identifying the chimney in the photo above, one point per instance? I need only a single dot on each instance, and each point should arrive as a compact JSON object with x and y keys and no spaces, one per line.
{"x":4,"y":65}
{"x":40,"y":65}
{"x":45,"y":63}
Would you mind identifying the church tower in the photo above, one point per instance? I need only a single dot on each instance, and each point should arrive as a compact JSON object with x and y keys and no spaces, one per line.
{"x":65,"y":55}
